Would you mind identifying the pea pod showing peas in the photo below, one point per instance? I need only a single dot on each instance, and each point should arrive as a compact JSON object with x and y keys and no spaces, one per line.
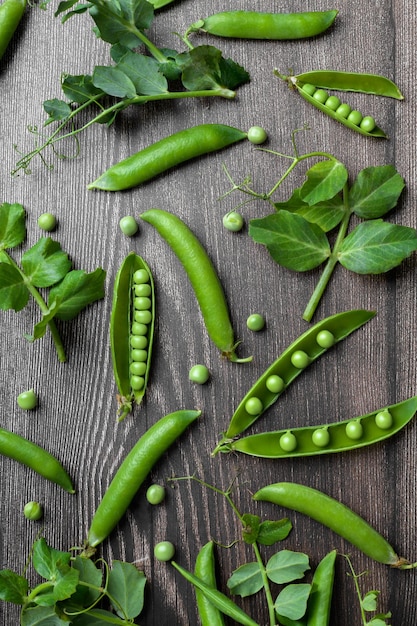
{"x":132,"y":331}
{"x":328,"y":438}
{"x":302,"y":352}
{"x":312,"y":87}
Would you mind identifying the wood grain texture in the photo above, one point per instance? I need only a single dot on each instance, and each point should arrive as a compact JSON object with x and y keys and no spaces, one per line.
{"x":76,"y":414}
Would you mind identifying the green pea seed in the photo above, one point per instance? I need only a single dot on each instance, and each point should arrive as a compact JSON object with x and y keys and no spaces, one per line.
{"x":233,"y":221}
{"x":300,"y":359}
{"x":139,"y":328}
{"x":33,"y":510}
{"x":274,"y":383}
{"x":321,"y":437}
{"x":354,"y":429}
{"x":325,"y":339}
{"x":143,"y":290}
{"x":254,"y":406}
{"x":155,"y":494}
{"x":257,"y":135}
{"x":320,"y":95}
{"x":288,"y":442}
{"x":27,"y":400}
{"x":143,"y":317}
{"x":309,"y":88}
{"x":355,"y":117}
{"x":142,"y":303}
{"x":164,"y":551}
{"x":137,"y":382}
{"x":47,"y":221}
{"x":140,"y":276}
{"x":383,"y":419}
{"x":255,"y":322}
{"x":332,"y":102}
{"x":139,"y":355}
{"x":367,"y":124}
{"x":128,"y":225}
{"x":137,"y":368}
{"x":199,"y":374}
{"x":138,"y":342}
{"x":343,"y":110}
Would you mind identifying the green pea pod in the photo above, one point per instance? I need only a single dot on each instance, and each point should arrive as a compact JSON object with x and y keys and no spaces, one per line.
{"x":165,"y":154}
{"x":334,"y":515}
{"x":320,"y":599}
{"x":205,"y":570}
{"x":350,"y":81}
{"x":203,"y":278}
{"x":11,"y":13}
{"x":133,"y":471}
{"x":36,"y":458}
{"x":313,"y":343}
{"x":132,"y":332}
{"x":272,"y":26}
{"x":218,"y":599}
{"x":328,"y":438}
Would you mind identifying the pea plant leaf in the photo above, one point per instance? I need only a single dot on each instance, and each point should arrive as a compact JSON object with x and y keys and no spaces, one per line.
{"x":12,"y":225}
{"x":143,"y":71}
{"x":272,"y":531}
{"x":375,"y":191}
{"x":122,"y":20}
{"x":126,"y":586}
{"x":80,"y":89}
{"x":98,"y":617}
{"x":41,"y":616}
{"x":324,"y":180}
{"x":46,"y":560}
{"x":251,"y":524}
{"x":292,"y":600}
{"x":45,"y":263}
{"x":204,"y":67}
{"x":56,"y":110}
{"x":88,"y":573}
{"x":13,"y":291}
{"x":246,"y":580}
{"x":76,"y":291}
{"x":13,"y":588}
{"x":376,"y":246}
{"x":370,"y":601}
{"x":327,"y":214}
{"x":291,"y":240}
{"x":113,"y":82}
{"x":286,"y":566}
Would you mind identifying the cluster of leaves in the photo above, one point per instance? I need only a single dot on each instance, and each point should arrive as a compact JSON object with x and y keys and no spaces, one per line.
{"x":72,"y":590}
{"x":133,"y":78}
{"x":44,"y":265}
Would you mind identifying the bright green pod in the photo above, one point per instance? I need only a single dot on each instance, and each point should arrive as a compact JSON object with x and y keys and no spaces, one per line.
{"x":339,"y":326}
{"x":350,"y":81}
{"x":133,"y":471}
{"x":269,"y":444}
{"x":334,"y":515}
{"x":11,"y":13}
{"x":267,"y":26}
{"x":123,"y":329}
{"x":204,"y":569}
{"x":167,"y":153}
{"x":203,"y":278}
{"x":320,"y":598}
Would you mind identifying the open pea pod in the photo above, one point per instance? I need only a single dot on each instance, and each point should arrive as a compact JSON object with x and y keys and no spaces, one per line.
{"x":284,"y":370}
{"x":350,"y":81}
{"x":132,"y":331}
{"x":327,"y":438}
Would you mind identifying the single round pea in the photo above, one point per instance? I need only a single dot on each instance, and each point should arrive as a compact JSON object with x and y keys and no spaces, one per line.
{"x":139,"y":328}
{"x":355,"y":117}
{"x":143,"y":317}
{"x":300,"y":359}
{"x":383,"y":419}
{"x":155,"y":494}
{"x":47,"y":221}
{"x":325,"y":339}
{"x":138,"y":342}
{"x":233,"y":221}
{"x":143,"y":290}
{"x":343,"y":110}
{"x":254,"y":406}
{"x":27,"y":400}
{"x":164,"y":551}
{"x":255,"y":322}
{"x":257,"y":135}
{"x":320,"y":95}
{"x":288,"y":442}
{"x":137,"y":382}
{"x":332,"y":102}
{"x":199,"y":374}
{"x":367,"y":124}
{"x":139,"y":355}
{"x":142,"y":303}
{"x":140,"y":276}
{"x":128,"y":226}
{"x":137,"y":368}
{"x":354,"y":429}
{"x":309,"y":88}
{"x":321,"y":437}
{"x":33,"y":510}
{"x":274,"y":383}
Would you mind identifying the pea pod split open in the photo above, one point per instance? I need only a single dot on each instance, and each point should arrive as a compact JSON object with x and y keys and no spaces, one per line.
{"x":132,"y":330}
{"x":327,"y":438}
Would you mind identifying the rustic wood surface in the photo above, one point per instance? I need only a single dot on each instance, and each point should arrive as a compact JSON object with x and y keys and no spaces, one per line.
{"x":75,"y":418}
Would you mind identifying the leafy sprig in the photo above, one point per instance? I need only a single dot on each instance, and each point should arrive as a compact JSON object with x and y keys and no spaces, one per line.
{"x":73,"y":588}
{"x":133,"y":78}
{"x":44,"y":265}
{"x":296,"y":234}
{"x":368,"y":602}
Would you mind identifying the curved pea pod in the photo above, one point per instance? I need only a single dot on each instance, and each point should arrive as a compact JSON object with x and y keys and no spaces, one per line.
{"x":132,"y":332}
{"x":350,"y":81}
{"x":276,"y":378}
{"x":11,"y":13}
{"x":269,"y":26}
{"x":35,"y":457}
{"x":334,"y":515}
{"x":320,"y":599}
{"x":133,"y":471}
{"x":203,"y":278}
{"x":328,"y":438}
{"x":205,"y":570}
{"x":165,"y":154}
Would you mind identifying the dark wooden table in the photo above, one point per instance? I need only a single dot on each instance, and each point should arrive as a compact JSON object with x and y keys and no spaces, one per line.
{"x":75,"y":418}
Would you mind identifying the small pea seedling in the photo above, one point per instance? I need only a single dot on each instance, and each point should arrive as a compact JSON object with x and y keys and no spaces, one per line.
{"x":44,"y":265}
{"x":296,"y":233}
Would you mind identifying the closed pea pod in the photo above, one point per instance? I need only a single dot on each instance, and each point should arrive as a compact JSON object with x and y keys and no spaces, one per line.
{"x":35,"y":457}
{"x":327,"y":438}
{"x":205,"y":570}
{"x":165,"y":154}
{"x":320,"y":599}
{"x":272,"y":26}
{"x":334,"y":515}
{"x":11,"y":13}
{"x":133,"y":471}
{"x":131,"y":340}
{"x":203,"y":278}
{"x":304,"y":350}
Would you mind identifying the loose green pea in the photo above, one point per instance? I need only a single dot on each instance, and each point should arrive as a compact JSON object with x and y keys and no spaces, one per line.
{"x":275,"y":383}
{"x":137,"y":368}
{"x":138,"y":342}
{"x":199,"y":374}
{"x":47,"y":221}
{"x":128,"y":225}
{"x":155,"y":494}
{"x":33,"y":510}
{"x":254,"y":406}
{"x":288,"y":442}
{"x":383,"y":419}
{"x":300,"y":359}
{"x":255,"y":322}
{"x":332,"y":103}
{"x":321,"y":437}
{"x":139,"y":355}
{"x":27,"y":400}
{"x":354,"y":429}
{"x":368,"y":124}
{"x":320,"y":95}
{"x":355,"y":117}
{"x":140,"y":276}
{"x":309,"y":88}
{"x":257,"y":135}
{"x":325,"y":339}
{"x":343,"y":110}
{"x":233,"y":221}
{"x":164,"y":551}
